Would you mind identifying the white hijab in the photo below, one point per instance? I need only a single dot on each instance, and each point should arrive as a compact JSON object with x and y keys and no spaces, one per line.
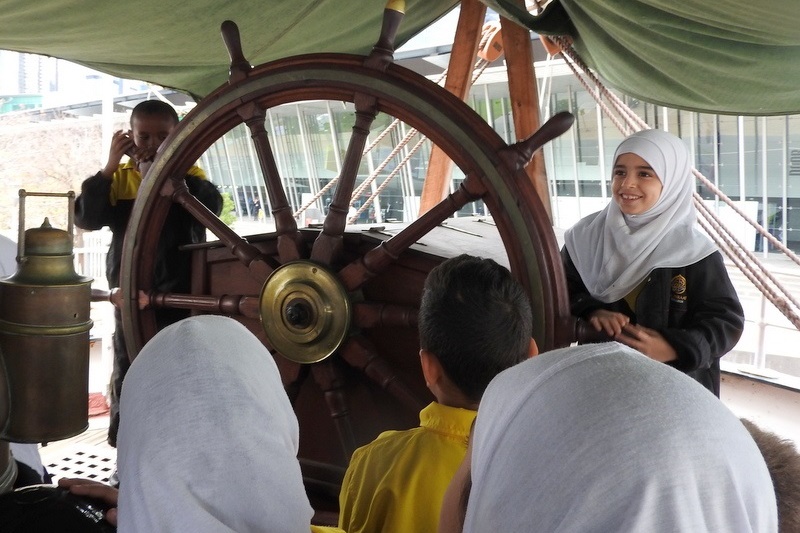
{"x":600,"y":438}
{"x":208,"y":439}
{"x":614,"y":252}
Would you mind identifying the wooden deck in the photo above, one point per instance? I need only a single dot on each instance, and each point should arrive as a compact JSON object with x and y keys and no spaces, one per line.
{"x":87,"y":455}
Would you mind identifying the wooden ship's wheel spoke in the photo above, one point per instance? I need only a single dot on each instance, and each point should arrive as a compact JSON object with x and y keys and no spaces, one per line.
{"x":359,"y":353}
{"x":379,"y":258}
{"x":285,"y":224}
{"x":294,"y":378}
{"x":260,"y":265}
{"x":327,"y":247}
{"x":372,"y":314}
{"x":331,"y":382}
{"x":228,"y":304}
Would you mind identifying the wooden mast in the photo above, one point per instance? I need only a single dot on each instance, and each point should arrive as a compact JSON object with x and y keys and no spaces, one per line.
{"x":523,"y":95}
{"x":458,"y":82}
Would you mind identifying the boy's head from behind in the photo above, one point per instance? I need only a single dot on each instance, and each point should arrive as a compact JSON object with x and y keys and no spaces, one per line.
{"x":476,"y":320}
{"x":151,"y":123}
{"x":783,"y":463}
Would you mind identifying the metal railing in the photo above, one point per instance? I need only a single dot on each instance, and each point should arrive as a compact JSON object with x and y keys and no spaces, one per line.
{"x":90,"y":259}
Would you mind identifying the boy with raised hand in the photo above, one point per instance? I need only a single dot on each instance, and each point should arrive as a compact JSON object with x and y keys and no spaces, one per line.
{"x":474,"y":321}
{"x":107,"y":199}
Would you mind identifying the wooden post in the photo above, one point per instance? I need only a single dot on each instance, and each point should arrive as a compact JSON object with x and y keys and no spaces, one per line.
{"x":458,"y":82}
{"x":524,"y":97}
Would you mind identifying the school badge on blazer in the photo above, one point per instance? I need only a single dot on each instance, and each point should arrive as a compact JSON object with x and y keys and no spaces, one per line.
{"x":678,"y":289}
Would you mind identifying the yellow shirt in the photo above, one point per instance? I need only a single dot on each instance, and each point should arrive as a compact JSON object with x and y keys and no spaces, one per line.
{"x":396,"y":482}
{"x":325,"y":529}
{"x":631,"y":297}
{"x":127,"y":180}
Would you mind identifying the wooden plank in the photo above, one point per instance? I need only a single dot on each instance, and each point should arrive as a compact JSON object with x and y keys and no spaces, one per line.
{"x":91,"y":437}
{"x":770,"y":405}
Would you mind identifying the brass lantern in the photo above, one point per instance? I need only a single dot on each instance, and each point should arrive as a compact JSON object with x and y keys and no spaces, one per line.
{"x":44,"y":337}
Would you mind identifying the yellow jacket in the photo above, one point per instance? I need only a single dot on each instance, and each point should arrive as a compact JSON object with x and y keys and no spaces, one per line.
{"x":127,"y":180}
{"x":396,"y":482}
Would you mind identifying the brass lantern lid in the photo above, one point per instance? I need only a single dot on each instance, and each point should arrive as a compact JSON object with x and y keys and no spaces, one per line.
{"x":46,"y":259}
{"x":47,"y":240}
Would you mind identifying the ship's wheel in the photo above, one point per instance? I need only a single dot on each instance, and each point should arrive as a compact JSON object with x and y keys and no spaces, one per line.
{"x":337,"y":304}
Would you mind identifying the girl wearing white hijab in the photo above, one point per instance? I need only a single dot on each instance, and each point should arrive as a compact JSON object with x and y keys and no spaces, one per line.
{"x":598,"y":438}
{"x":208,"y":440}
{"x":640,"y":271}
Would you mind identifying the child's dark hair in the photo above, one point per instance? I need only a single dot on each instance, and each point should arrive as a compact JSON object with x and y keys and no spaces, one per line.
{"x":476,"y":319}
{"x":154,"y":108}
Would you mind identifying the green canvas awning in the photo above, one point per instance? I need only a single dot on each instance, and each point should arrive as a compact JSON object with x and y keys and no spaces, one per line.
{"x":723,"y":56}
{"x":178,"y":44}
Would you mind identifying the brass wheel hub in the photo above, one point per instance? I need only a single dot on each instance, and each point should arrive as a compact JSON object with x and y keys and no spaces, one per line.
{"x":305,"y":311}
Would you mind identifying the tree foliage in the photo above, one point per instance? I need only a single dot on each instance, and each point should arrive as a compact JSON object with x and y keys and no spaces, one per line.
{"x":49,"y":156}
